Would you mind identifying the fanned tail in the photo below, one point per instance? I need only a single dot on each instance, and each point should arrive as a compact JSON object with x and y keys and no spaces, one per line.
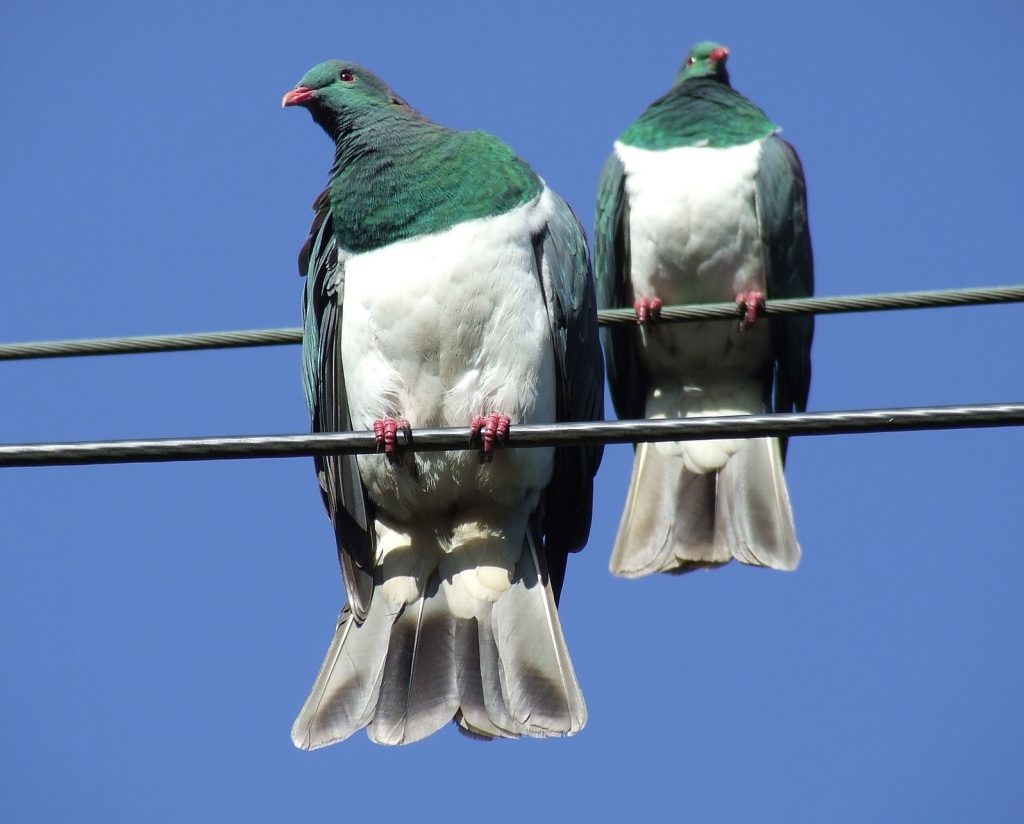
{"x":405,"y":672}
{"x":677,"y":519}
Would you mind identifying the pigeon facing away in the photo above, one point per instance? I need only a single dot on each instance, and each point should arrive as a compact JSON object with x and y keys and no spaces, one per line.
{"x":446,"y":285}
{"x":701,"y":202}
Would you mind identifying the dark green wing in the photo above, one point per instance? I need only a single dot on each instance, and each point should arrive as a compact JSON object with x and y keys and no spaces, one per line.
{"x":789,"y":264}
{"x":568,"y":282}
{"x":345,"y":498}
{"x":626,"y":379}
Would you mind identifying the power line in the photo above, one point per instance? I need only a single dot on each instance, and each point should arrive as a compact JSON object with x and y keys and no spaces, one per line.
{"x":524,"y":435}
{"x":934,"y":299}
{"x":710,"y":311}
{"x":149,"y":343}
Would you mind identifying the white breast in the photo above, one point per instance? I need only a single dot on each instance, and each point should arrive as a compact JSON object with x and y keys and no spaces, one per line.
{"x":440,"y":328}
{"x":694,"y":233}
{"x":694,"y":238}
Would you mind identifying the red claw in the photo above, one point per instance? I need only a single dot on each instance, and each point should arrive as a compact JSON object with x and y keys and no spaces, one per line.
{"x":750,"y":304}
{"x":489,"y":430}
{"x":385,"y":433}
{"x":648,"y":310}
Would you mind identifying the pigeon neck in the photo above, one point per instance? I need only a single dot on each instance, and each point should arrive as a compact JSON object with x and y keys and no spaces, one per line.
{"x":699,"y":112}
{"x":393,"y":180}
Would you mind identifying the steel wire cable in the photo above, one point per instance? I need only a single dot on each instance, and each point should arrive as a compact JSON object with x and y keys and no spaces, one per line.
{"x":711,"y":311}
{"x":522,"y":435}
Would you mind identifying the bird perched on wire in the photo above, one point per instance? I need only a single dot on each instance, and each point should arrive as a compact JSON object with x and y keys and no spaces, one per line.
{"x":446,"y":285}
{"x":702,"y":202}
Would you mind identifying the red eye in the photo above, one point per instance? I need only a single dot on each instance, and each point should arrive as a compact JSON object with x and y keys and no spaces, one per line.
{"x":347,"y":76}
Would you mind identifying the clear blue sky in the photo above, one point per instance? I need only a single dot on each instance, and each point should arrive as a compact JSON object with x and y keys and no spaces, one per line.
{"x":161,"y":625}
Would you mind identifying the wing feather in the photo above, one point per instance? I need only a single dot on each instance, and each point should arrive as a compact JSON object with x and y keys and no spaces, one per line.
{"x":568,"y":283}
{"x":789,"y":264}
{"x":345,"y":498}
{"x":626,"y":379}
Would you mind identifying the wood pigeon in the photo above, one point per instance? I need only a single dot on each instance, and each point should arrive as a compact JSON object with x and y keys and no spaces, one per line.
{"x":446,"y":285}
{"x":702,"y":202}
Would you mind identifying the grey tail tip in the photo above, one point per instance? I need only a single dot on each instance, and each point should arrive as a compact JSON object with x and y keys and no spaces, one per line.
{"x":406,"y":672}
{"x":677,"y":521}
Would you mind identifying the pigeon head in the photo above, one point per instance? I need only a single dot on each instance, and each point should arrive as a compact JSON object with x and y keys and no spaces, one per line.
{"x":706,"y":59}
{"x":338,"y":94}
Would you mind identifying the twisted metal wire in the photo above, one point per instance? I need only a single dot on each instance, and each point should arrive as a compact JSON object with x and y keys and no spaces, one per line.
{"x":710,"y":311}
{"x":524,"y":435}
{"x":933,"y":299}
{"x":149,"y":343}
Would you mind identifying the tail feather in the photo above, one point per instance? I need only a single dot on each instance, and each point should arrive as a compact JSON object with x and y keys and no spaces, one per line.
{"x":669,"y":522}
{"x":344,"y":695}
{"x":754,"y":512}
{"x":537,"y":676}
{"x":491,"y":677}
{"x":677,"y":519}
{"x":419,"y":693}
{"x":483,"y":713}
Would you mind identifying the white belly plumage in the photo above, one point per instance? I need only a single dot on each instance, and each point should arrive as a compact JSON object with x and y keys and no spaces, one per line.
{"x":695,"y":238}
{"x":439,"y":329}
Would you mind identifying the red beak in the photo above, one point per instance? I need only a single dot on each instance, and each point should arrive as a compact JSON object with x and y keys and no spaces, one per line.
{"x":718,"y":54}
{"x":297,"y":96}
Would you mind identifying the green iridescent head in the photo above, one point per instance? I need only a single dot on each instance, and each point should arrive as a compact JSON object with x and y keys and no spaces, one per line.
{"x":337,"y":92}
{"x":706,"y":59}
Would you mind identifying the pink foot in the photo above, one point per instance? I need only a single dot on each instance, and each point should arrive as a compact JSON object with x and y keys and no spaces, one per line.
{"x":489,"y":430}
{"x":385,"y":432}
{"x":648,"y":310}
{"x":750,"y":304}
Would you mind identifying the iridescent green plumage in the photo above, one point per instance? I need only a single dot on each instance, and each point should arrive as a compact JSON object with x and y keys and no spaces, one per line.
{"x":443,"y":176}
{"x":701,"y":109}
